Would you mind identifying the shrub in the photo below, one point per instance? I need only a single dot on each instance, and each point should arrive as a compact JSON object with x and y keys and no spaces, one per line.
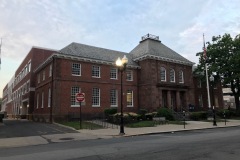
{"x":142,"y":113}
{"x":165,"y":112}
{"x":196,"y":116}
{"x":228,"y":113}
{"x":110,"y":111}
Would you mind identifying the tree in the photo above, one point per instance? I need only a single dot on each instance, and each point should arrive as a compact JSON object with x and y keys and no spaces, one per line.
{"x":223,"y":61}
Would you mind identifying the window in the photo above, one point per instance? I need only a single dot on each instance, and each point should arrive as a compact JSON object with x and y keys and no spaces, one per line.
{"x":200,"y":101}
{"x":96,"y":97}
{"x":96,"y":71}
{"x":129,"y":98}
{"x":38,"y":77}
{"x":76,"y":69}
{"x":163,"y":74}
{"x":37,"y":100}
{"x":28,"y":86}
{"x":113,"y":73}
{"x":74,"y":91}
{"x":42,"y":99}
{"x":129,"y":75}
{"x":50,"y":70}
{"x":181,"y":79}
{"x":29,"y":66}
{"x":199,"y":85}
{"x":172,"y":75}
{"x":113,"y":98}
{"x":49,"y":97}
{"x":43,"y":75}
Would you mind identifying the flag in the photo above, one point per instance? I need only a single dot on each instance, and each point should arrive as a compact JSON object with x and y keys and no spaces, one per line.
{"x":204,"y":49}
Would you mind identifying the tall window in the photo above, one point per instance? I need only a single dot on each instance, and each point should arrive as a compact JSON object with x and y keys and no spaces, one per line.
{"x":199,"y":83}
{"x":76,"y":69}
{"x":96,"y":71}
{"x":129,"y":98}
{"x":113,"y":98}
{"x":129,"y":75}
{"x":43,"y":76}
{"x":29,"y":66}
{"x":113,"y":73}
{"x":172,"y":75}
{"x":163,"y":74}
{"x":38,"y":77}
{"x":96,"y":97}
{"x":74,"y":91}
{"x":42,"y":99}
{"x":181,"y":79}
{"x":37,"y":100}
{"x":49,"y":97}
{"x":50,"y":70}
{"x":200,"y":101}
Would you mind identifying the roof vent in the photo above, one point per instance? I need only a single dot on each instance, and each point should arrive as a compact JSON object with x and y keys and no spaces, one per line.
{"x":150,"y":36}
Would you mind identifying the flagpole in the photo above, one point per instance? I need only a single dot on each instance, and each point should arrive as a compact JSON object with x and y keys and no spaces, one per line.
{"x":206,"y":69}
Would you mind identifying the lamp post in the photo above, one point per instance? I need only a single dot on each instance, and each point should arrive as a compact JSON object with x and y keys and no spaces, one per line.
{"x":214,"y":115}
{"x":121,"y":64}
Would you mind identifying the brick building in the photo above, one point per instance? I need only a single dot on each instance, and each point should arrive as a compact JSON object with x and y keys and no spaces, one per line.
{"x":18,"y":95}
{"x":156,"y":76}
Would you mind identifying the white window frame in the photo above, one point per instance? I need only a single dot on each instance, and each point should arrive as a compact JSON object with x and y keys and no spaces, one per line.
{"x":172,"y":75}
{"x":163,"y":74}
{"x":96,"y":71}
{"x":76,"y":69}
{"x":50,"y":70}
{"x":129,"y":103}
{"x":181,"y":77}
{"x":37,"y":100}
{"x":43,"y":75}
{"x":42,"y":100}
{"x":49,"y":97}
{"x":113,"y":73}
{"x":129,"y":75}
{"x":38,"y":77}
{"x":113,"y":98}
{"x":200,"y":101}
{"x":74,"y":91}
{"x":96,"y":97}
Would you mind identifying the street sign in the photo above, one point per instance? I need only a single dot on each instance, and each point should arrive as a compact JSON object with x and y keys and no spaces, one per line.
{"x":80,"y":97}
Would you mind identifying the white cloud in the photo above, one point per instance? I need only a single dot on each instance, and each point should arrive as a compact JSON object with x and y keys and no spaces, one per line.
{"x":116,"y":25}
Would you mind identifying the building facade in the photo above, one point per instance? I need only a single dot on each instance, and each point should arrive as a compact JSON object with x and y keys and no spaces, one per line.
{"x":19,"y":92}
{"x":155,"y":77}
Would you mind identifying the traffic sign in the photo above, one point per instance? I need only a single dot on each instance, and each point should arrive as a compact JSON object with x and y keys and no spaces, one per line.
{"x":80,"y":97}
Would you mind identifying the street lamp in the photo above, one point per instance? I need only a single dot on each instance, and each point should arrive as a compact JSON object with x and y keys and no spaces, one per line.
{"x":214,"y":114}
{"x":121,"y":64}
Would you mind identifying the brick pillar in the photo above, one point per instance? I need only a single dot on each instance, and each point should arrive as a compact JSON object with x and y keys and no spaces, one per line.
{"x":169,"y":99}
{"x":178,"y":100}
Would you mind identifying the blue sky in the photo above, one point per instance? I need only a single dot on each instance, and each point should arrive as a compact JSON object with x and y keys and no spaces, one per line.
{"x":111,"y":24}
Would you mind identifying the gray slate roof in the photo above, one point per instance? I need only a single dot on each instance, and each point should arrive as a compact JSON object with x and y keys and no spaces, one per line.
{"x":154,"y":48}
{"x":96,"y":53}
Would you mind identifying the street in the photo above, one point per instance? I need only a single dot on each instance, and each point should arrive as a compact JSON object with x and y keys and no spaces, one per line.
{"x":218,"y":143}
{"x":23,"y":128}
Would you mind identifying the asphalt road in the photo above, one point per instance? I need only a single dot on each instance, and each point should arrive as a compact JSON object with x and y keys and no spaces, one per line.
{"x":23,"y":128}
{"x":216,"y":144}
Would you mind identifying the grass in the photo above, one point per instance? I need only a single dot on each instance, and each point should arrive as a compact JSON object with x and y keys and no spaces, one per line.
{"x":141,"y":124}
{"x":85,"y":125}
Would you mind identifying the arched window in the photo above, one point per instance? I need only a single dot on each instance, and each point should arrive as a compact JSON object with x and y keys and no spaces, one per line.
{"x":172,"y":75}
{"x":163,"y":74}
{"x":181,"y":79}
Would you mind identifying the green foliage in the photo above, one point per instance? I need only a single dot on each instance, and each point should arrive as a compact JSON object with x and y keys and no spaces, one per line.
{"x":142,"y":113}
{"x":223,"y":57}
{"x":165,"y":112}
{"x":110,"y":111}
{"x":141,"y":124}
{"x":196,"y":116}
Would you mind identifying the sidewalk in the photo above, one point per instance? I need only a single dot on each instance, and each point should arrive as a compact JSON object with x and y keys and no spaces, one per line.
{"x":110,"y":133}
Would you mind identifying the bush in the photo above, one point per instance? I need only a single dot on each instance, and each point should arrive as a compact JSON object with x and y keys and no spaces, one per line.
{"x":228,"y":113}
{"x":142,"y":113}
{"x":196,"y":116}
{"x":165,"y":112}
{"x":110,"y":111}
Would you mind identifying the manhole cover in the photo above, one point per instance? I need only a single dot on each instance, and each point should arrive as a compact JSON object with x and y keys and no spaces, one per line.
{"x":66,"y":139}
